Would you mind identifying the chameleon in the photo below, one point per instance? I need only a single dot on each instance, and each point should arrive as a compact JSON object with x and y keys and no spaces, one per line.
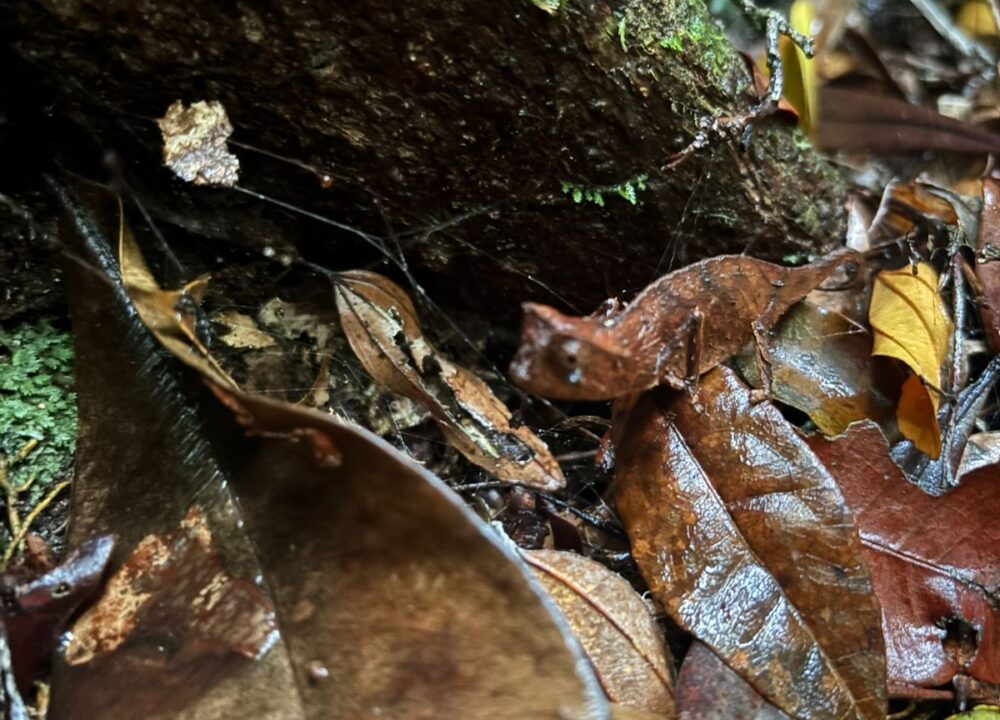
{"x":678,"y":328}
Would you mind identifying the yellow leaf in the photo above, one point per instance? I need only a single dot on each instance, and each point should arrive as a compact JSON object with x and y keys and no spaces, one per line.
{"x":916,"y":416}
{"x":983,"y":712}
{"x":800,"y":72}
{"x":909,"y":322}
{"x":976,"y":18}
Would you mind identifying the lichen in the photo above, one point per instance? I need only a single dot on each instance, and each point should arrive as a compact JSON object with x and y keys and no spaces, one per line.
{"x":627,"y":190}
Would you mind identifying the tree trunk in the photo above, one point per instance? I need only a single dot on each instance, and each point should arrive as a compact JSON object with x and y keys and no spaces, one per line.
{"x":537,"y":119}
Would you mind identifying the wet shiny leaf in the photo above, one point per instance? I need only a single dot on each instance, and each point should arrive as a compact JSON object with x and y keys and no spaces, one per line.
{"x":933,"y":560}
{"x":614,"y":626}
{"x":821,"y":364}
{"x":909,"y":322}
{"x":681,"y":326}
{"x":708,"y":689}
{"x":382,"y":326}
{"x":745,"y":540}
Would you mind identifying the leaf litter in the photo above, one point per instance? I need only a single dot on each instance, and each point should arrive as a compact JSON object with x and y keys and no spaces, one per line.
{"x":339,"y":539}
{"x":373,"y":568}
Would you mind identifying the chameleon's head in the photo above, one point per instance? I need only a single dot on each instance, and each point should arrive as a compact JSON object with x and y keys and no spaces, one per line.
{"x":566,"y":358}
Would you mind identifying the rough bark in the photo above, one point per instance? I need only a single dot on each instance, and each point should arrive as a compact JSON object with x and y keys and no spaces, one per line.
{"x":423,"y":111}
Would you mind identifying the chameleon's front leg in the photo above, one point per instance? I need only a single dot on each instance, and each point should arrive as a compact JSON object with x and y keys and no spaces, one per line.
{"x":695,"y":335}
{"x":692,"y":334}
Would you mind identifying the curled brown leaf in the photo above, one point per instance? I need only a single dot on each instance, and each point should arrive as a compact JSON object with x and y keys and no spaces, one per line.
{"x":614,"y":626}
{"x":381,"y":324}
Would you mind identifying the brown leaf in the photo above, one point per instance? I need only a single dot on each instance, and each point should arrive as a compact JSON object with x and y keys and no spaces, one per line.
{"x":933,"y":560}
{"x":681,"y":326}
{"x":708,"y":689}
{"x":381,"y":324}
{"x":821,"y":364}
{"x":389,"y":592}
{"x":745,"y":540}
{"x":614,"y":626}
{"x":170,"y":610}
{"x":858,"y":120}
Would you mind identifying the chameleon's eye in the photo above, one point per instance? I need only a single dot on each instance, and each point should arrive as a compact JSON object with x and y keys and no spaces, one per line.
{"x":569,"y":351}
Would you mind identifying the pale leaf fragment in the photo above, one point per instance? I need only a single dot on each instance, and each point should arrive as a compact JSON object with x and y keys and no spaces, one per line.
{"x":194,"y":143}
{"x":613,"y":624}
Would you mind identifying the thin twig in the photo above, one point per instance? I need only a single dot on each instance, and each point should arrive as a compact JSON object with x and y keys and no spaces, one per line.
{"x":35,"y":512}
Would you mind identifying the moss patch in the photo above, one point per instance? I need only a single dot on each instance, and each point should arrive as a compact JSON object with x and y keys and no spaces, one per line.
{"x":628,"y":190}
{"x":37,"y":409}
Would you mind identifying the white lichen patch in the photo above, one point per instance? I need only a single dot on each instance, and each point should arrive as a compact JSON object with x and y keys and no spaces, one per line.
{"x":194,"y":143}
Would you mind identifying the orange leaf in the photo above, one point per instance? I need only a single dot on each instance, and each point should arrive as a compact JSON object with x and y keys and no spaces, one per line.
{"x":908,"y":318}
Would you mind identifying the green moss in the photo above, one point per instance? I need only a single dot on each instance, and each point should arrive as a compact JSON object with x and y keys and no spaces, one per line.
{"x":37,"y":404}
{"x":628,"y":190}
{"x":704,"y":38}
{"x":801,"y":141}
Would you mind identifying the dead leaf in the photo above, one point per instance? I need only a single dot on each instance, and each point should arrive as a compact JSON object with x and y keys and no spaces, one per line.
{"x":800,"y":71}
{"x":933,"y":560}
{"x":982,"y":450}
{"x":743,"y":537}
{"x":909,"y":322}
{"x":681,"y":326}
{"x":389,"y":592}
{"x":194,"y":143}
{"x":708,"y":689}
{"x":614,"y":626}
{"x":242,"y":331}
{"x":381,"y":324}
{"x":821,"y":364}
{"x":170,"y":610}
{"x":975,"y":17}
{"x":857,"y":120}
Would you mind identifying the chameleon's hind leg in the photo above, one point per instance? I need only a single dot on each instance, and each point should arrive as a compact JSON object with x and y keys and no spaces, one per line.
{"x":762,"y":354}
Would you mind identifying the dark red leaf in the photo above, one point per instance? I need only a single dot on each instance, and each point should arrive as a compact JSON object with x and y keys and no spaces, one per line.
{"x":934,"y":561}
{"x":35,"y":610}
{"x":708,"y":689}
